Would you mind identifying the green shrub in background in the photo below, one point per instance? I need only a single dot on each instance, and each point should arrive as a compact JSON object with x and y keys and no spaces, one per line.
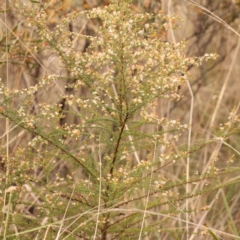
{"x":106,"y":132}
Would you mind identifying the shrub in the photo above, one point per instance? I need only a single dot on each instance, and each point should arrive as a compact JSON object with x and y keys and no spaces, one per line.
{"x":92,"y":164}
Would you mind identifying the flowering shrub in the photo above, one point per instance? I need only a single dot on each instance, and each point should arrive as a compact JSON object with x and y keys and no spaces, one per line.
{"x":104,"y":128}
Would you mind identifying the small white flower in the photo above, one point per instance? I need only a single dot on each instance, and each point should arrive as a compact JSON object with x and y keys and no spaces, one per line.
{"x":110,"y":51}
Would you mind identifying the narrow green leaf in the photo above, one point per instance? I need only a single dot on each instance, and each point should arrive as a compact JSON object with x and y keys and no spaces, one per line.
{"x":213,"y":235}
